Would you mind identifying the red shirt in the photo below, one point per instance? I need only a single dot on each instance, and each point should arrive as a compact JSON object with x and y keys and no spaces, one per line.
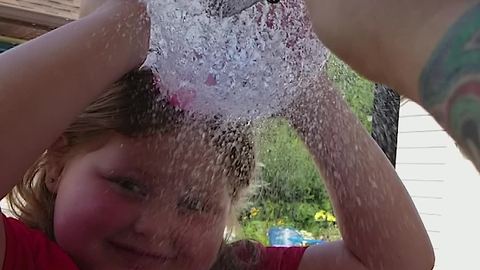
{"x":271,"y":258}
{"x":29,"y":249}
{"x":279,"y":258}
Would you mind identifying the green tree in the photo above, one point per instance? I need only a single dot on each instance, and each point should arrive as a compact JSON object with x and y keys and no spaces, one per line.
{"x":287,"y":166}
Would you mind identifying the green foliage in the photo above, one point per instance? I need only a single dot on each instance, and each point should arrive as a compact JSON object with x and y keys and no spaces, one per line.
{"x":256,"y":230}
{"x":289,"y":173}
{"x":292,"y":190}
{"x":357,"y":91}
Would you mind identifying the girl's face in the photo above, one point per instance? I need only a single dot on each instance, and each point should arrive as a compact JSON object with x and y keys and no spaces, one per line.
{"x":149,"y":203}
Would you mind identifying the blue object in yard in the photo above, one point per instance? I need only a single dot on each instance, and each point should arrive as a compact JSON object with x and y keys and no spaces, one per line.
{"x":289,"y":237}
{"x":313,"y":242}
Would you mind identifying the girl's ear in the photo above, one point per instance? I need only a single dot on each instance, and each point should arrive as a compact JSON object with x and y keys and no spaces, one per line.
{"x":52,"y":184}
{"x":55,"y":164}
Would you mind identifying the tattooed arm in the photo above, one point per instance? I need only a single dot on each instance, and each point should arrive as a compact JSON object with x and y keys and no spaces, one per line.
{"x":427,"y":50}
{"x":450,"y":83}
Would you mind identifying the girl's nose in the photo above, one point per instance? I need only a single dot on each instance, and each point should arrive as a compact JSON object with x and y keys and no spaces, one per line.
{"x":159,"y":227}
{"x":155,"y":219}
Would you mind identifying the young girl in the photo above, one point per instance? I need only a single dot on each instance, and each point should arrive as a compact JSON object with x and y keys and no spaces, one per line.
{"x":134,"y":184}
{"x":120,"y":187}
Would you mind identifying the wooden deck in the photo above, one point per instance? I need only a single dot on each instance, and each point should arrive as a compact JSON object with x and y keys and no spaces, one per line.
{"x":26,"y":19}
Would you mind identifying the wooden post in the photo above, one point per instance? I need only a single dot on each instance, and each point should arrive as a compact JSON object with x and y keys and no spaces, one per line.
{"x":386,"y":108}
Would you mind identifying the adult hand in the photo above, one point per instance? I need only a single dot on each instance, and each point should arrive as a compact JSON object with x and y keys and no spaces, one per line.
{"x":387,"y":41}
{"x":425,"y":50}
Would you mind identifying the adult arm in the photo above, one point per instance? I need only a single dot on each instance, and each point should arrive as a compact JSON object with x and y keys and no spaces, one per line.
{"x":429,"y":51}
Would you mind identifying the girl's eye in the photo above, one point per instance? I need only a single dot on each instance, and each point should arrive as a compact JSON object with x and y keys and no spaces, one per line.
{"x":192,"y":204}
{"x":130,"y":185}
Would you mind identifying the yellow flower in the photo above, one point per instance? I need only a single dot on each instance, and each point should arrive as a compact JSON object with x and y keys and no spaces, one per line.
{"x":320,"y":215}
{"x":323,"y":215}
{"x":280,"y":222}
{"x":254,"y":212}
{"x":331,"y":218}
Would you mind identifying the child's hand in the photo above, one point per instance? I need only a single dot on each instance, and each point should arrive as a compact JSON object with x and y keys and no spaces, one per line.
{"x":130,"y":19}
{"x":303,"y":108}
{"x":89,"y":6}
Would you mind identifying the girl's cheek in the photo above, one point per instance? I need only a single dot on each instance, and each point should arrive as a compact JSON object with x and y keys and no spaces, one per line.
{"x":110,"y":208}
{"x":93,"y":209}
{"x":207,"y":232}
{"x":206,"y":245}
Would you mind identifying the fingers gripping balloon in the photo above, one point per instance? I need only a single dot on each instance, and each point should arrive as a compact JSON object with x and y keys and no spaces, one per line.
{"x":249,"y":65}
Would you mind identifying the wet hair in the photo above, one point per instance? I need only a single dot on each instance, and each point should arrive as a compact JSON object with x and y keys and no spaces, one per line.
{"x":240,"y":255}
{"x":133,"y":107}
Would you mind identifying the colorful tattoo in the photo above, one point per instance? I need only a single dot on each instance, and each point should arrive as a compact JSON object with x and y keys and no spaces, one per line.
{"x":450,"y":83}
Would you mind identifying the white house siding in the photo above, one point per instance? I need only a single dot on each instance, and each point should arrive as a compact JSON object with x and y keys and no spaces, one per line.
{"x":443,"y":185}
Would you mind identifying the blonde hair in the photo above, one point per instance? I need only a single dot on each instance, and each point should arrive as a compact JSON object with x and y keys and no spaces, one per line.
{"x":132,"y":107}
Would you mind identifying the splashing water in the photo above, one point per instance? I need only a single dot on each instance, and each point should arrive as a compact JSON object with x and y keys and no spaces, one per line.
{"x":246,"y":66}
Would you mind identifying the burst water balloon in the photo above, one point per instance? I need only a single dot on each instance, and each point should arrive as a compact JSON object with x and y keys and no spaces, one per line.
{"x":244,"y":66}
